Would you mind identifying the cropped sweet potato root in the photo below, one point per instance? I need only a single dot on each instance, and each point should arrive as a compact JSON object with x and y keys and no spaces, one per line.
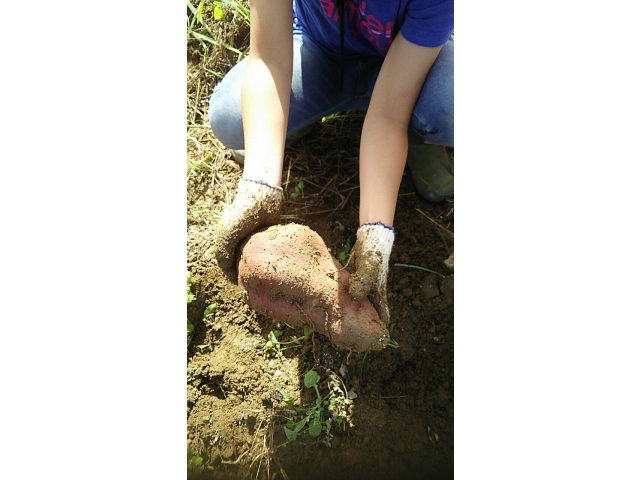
{"x":290,"y":276}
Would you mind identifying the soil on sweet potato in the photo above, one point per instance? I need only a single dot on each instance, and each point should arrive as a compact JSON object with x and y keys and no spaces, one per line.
{"x":400,"y":422}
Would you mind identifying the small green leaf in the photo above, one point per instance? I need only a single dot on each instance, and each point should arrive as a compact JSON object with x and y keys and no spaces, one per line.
{"x":315,"y":427}
{"x":190,"y":328}
{"x":301,"y":185}
{"x":199,"y":12}
{"x":209,"y":310}
{"x":285,"y":397}
{"x":311,"y":378}
{"x":299,"y":426}
{"x":272,"y":342}
{"x":204,"y":38}
{"x":343,"y":256}
{"x":291,"y":435}
{"x":307,"y":333}
{"x":218,"y":12}
{"x":190,"y":296}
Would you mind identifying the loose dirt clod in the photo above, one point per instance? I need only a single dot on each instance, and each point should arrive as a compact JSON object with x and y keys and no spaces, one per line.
{"x":290,"y":276}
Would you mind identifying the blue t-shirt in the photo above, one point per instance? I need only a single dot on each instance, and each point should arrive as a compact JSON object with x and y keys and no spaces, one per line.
{"x":371,"y":25}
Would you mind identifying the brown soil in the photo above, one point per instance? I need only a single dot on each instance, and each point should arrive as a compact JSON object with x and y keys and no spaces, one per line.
{"x":400,"y":425}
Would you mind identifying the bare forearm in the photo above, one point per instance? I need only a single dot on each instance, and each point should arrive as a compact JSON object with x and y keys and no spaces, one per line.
{"x":383,"y":147}
{"x":266,"y":89}
{"x":383,"y":154}
{"x":265,"y":111}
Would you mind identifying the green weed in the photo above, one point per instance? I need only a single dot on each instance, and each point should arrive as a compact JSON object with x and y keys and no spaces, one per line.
{"x":298,"y":191}
{"x":196,"y":26}
{"x":209,"y":310}
{"x":190,"y":298}
{"x":363,"y":359}
{"x":194,"y":461}
{"x":194,"y":167}
{"x":220,"y":76}
{"x":418,"y":268}
{"x":274,"y":345}
{"x":307,"y":332}
{"x":343,"y":256}
{"x":392,"y":342}
{"x":446,"y":245}
{"x":313,"y":417}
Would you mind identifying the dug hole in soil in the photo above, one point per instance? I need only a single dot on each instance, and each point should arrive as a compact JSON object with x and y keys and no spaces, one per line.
{"x":398,"y":402}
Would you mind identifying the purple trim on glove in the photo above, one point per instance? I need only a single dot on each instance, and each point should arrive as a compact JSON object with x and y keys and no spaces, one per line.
{"x":381,"y":224}
{"x":260,"y":182}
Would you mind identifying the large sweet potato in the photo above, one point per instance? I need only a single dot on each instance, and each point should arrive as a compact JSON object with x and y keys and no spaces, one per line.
{"x":290,"y":276}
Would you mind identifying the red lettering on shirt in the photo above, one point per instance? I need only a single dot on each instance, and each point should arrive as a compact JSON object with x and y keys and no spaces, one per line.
{"x":366,"y":31}
{"x":327,"y":6}
{"x":374,"y":24}
{"x":350,"y":9}
{"x":389,"y":29}
{"x":360,"y":24}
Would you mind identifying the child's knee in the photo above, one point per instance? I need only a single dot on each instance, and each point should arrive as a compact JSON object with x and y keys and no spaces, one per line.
{"x":226,"y":121}
{"x":433,"y":114}
{"x":437,"y":127}
{"x":225,"y":109}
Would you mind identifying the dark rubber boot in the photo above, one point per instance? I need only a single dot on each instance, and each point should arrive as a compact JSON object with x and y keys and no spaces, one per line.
{"x":431,"y":169}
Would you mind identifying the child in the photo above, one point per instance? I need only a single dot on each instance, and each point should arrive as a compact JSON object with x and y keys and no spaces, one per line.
{"x":393,"y":58}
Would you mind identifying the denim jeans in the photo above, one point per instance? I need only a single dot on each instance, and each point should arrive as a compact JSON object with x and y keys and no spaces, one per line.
{"x":315,"y":93}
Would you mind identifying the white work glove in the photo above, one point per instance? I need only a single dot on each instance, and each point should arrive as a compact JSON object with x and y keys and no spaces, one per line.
{"x":369,"y":261}
{"x":257,"y":204}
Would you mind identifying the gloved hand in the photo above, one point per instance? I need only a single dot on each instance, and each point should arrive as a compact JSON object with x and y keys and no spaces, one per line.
{"x":257,"y":204}
{"x":370,"y":262}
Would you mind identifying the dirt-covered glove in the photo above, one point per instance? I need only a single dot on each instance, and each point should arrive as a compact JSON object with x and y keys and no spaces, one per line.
{"x":257,"y":204}
{"x":370,"y":262}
